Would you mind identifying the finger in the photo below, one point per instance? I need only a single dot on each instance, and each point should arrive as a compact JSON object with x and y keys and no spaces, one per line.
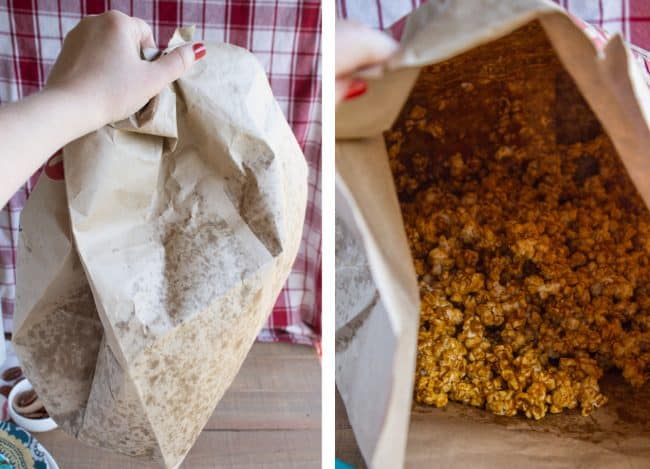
{"x":350,"y":88}
{"x":144,"y":34}
{"x":341,"y":88}
{"x":358,"y":46}
{"x":170,"y":67}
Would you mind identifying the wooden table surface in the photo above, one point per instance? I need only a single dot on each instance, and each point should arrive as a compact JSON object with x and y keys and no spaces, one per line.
{"x":269,"y":418}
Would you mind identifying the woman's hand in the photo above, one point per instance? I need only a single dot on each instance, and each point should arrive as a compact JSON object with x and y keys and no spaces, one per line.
{"x":98,"y":78}
{"x":358,"y":47}
{"x":100,"y":65}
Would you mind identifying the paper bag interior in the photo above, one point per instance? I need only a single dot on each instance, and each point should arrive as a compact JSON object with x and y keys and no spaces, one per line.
{"x":463,"y":99}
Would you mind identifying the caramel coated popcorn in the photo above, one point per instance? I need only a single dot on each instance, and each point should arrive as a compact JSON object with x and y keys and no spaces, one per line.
{"x":530,"y":243}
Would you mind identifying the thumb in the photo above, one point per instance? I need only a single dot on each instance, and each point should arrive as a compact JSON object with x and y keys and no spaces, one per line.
{"x":171,"y":67}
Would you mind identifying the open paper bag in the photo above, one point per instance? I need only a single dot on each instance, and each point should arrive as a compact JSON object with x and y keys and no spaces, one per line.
{"x":377,"y":294}
{"x":145,"y":276}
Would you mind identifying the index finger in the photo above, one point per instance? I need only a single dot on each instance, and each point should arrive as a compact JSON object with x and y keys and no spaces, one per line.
{"x":144,"y":33}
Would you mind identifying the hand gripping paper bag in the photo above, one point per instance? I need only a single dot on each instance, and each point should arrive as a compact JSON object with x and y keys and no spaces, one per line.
{"x":146,"y":274}
{"x":469,"y":53}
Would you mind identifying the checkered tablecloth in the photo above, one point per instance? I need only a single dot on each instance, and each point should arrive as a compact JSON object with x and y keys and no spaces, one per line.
{"x":285,"y":37}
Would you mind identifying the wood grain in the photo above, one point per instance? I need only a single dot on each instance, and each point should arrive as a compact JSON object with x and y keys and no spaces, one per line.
{"x":269,"y":418}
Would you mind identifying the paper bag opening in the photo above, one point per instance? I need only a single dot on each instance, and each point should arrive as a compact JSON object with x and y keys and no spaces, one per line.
{"x":461,"y":434}
{"x":516,"y":88}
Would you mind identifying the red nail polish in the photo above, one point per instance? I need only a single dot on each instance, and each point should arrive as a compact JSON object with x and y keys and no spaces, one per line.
{"x":54,"y":166}
{"x":357,"y":88}
{"x":199,"y":50}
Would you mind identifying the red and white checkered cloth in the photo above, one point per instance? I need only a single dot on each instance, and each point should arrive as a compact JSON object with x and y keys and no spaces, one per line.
{"x":283,"y":34}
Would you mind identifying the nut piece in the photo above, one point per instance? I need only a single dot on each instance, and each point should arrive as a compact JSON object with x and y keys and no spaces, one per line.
{"x":27,"y":403}
{"x":12,"y":374}
{"x":26,"y":398}
{"x":5,"y":390}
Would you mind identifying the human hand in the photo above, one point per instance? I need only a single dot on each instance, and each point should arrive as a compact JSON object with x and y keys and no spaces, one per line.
{"x":358,"y":46}
{"x":100,"y":66}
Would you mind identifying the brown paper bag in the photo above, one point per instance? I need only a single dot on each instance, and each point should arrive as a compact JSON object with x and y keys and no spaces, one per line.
{"x":377,"y":294}
{"x":146,"y":275}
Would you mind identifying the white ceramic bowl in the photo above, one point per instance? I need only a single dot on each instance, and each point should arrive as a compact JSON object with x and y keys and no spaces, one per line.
{"x":31,"y":425}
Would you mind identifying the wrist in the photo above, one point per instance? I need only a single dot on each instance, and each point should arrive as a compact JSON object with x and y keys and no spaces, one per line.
{"x":79,"y":110}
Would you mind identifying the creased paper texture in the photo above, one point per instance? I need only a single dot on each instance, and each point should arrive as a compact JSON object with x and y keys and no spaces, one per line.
{"x":146,"y":275}
{"x":376,"y":359}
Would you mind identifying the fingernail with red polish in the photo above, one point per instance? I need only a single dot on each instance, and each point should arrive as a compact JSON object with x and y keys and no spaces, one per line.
{"x":199,"y":50}
{"x":357,"y":88}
